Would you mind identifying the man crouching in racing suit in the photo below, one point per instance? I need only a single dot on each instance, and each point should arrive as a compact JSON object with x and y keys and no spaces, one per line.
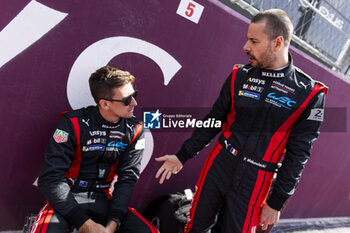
{"x":269,"y":109}
{"x":89,"y":147}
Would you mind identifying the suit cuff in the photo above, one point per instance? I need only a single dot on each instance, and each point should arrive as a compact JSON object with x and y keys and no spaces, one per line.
{"x":117,"y":220}
{"x":276,"y":202}
{"x":182,"y":157}
{"x":77,"y":216}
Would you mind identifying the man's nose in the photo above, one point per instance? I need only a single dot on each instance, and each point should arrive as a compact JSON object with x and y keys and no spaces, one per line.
{"x":133,"y":102}
{"x":246,"y":47}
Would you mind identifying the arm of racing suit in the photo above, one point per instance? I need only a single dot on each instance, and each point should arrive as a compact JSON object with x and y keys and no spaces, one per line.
{"x":52,"y":183}
{"x":128,"y":172}
{"x":298,"y":148}
{"x":202,"y":136}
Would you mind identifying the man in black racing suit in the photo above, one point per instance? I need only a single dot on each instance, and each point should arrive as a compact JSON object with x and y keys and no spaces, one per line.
{"x":269,"y":109}
{"x":89,"y":147}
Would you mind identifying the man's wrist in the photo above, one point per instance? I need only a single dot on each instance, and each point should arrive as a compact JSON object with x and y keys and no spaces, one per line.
{"x":276,"y":202}
{"x":85,"y":226}
{"x":114,"y":223}
{"x":77,"y":216}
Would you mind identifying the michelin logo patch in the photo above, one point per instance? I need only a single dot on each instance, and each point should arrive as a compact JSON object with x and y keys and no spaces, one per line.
{"x":93,"y":148}
{"x":249,"y":94}
{"x":316,"y":114}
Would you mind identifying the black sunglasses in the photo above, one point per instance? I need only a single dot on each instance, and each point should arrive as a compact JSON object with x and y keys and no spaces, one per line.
{"x":126,"y":100}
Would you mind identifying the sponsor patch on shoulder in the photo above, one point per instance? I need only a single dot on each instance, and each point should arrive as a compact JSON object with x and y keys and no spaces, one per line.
{"x":140,"y":144}
{"x":316,"y":114}
{"x":60,"y":136}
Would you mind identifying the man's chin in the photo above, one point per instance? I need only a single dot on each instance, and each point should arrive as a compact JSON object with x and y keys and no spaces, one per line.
{"x":252,"y":61}
{"x":129,"y":115}
{"x":254,"y":64}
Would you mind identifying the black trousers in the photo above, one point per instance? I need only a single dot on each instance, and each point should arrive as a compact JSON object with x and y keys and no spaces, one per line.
{"x":231,"y":187}
{"x":96,"y":204}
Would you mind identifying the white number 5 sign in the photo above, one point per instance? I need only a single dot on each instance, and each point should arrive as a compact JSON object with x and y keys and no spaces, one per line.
{"x":190,"y":10}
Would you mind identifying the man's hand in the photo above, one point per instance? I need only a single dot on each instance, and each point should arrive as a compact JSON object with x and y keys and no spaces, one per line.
{"x":111,"y":226}
{"x":268,"y":216}
{"x":91,"y":227}
{"x":171,"y":165}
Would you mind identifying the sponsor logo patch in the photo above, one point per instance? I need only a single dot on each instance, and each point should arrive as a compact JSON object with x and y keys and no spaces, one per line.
{"x":96,"y":141}
{"x":86,"y":121}
{"x":116,"y":134}
{"x":140,"y":144}
{"x":249,"y":94}
{"x":110,"y":126}
{"x":93,"y":148}
{"x":116,"y":146}
{"x":316,"y":114}
{"x":256,"y":80}
{"x":280,"y":101}
{"x":253,"y":88}
{"x":60,"y":136}
{"x":246,"y":69}
{"x":272,"y":74}
{"x":282,"y":87}
{"x":98,"y":133}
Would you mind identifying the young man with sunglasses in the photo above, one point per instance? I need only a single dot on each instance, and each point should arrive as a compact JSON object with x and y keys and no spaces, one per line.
{"x":89,"y":147}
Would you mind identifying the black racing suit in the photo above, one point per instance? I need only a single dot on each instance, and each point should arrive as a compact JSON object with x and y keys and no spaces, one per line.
{"x":266,"y":115}
{"x":81,"y":160}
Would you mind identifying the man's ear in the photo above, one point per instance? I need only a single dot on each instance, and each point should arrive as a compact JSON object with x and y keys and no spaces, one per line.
{"x":103,"y":104}
{"x":278,"y":43}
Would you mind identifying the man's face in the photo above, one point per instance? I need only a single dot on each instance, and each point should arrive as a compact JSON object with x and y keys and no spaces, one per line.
{"x":118,"y":109}
{"x":259,"y":46}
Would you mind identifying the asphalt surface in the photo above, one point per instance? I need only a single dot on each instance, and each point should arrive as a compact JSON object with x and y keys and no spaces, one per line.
{"x":311,"y":225}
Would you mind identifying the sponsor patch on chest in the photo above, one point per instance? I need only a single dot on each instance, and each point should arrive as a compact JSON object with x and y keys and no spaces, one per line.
{"x":272,"y":74}
{"x":93,"y":148}
{"x":249,"y":94}
{"x":256,"y":80}
{"x":96,"y":141}
{"x":280,"y":100}
{"x":116,"y":134}
{"x":282,"y":87}
{"x":116,"y":146}
{"x":97,"y":133}
{"x":253,"y":88}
